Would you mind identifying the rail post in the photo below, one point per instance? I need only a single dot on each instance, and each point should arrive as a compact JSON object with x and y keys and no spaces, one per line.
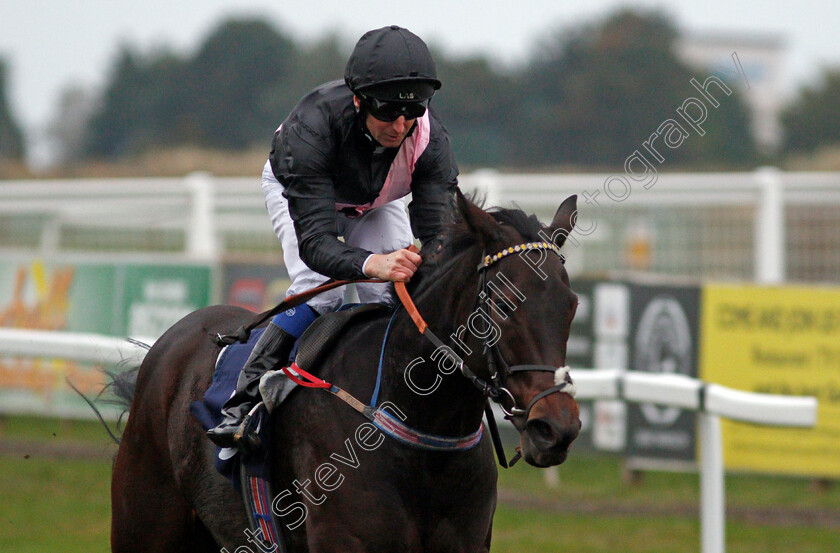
{"x":769,"y":228}
{"x":712,"y":494}
{"x":202,"y":243}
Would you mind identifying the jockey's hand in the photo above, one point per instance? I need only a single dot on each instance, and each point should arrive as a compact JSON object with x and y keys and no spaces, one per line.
{"x":398,"y":266}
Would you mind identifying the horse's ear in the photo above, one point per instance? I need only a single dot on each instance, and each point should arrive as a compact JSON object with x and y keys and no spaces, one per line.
{"x":478,"y":221}
{"x":564,"y":220}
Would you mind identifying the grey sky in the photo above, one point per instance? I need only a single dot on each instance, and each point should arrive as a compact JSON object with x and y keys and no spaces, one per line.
{"x":52,"y":43}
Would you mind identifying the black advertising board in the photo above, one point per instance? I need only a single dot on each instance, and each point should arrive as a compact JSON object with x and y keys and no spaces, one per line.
{"x":664,"y":338}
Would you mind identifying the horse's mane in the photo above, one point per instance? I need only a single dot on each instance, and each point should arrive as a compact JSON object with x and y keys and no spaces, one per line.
{"x":459,"y":242}
{"x":526,"y":225}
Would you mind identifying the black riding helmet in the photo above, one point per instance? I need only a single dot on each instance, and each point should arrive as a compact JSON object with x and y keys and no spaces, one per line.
{"x":392,"y":64}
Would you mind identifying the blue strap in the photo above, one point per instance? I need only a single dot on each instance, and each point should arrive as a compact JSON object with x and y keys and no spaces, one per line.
{"x":375,"y":397}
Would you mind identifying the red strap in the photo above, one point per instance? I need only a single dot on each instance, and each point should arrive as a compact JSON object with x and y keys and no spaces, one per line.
{"x":313,"y":381}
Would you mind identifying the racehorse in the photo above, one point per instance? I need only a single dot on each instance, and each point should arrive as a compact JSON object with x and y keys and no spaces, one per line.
{"x":495,"y":285}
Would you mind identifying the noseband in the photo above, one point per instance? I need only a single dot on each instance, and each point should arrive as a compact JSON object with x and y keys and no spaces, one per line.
{"x":496,"y":388}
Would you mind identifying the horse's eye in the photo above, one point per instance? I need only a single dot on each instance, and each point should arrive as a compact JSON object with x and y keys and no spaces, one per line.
{"x":501,"y":307}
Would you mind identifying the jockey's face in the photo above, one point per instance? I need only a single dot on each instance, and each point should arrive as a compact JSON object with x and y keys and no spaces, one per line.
{"x":388,"y":133}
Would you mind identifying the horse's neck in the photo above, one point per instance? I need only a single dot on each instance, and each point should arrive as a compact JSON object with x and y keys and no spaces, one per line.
{"x":435,"y":399}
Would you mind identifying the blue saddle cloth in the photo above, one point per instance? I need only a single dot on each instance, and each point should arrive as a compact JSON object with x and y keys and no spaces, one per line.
{"x":208,"y":411}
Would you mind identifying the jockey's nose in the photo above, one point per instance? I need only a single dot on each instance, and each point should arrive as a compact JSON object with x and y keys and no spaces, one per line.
{"x":400,"y":124}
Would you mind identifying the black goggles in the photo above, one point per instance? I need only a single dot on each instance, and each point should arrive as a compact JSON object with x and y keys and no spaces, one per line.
{"x":388,"y":111}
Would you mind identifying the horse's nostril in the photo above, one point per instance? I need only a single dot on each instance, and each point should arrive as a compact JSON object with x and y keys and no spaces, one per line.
{"x":546,"y":434}
{"x":542,"y":432}
{"x":546,"y":442}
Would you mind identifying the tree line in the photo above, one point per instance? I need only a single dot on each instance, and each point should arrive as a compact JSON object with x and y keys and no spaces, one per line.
{"x":587,"y":97}
{"x":11,"y":137}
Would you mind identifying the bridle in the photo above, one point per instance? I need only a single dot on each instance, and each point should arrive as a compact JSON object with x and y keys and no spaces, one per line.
{"x":496,"y":387}
{"x":499,"y":392}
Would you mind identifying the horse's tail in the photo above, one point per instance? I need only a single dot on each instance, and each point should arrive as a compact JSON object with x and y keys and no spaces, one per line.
{"x":121,"y":383}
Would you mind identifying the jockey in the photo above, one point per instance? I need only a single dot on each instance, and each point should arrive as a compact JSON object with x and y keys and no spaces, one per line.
{"x":340,"y":165}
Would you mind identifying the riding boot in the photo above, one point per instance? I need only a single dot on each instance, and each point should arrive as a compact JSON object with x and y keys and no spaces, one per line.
{"x":270,"y":351}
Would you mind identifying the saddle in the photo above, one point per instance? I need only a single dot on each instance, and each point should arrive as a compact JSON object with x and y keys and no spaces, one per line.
{"x":322,"y":334}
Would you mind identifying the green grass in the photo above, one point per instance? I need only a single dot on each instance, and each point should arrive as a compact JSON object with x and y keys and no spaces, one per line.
{"x":41,"y":430}
{"x":53,"y":504}
{"x":591,"y":477}
{"x":599,"y":477}
{"x":526,"y":530}
{"x":521,"y":530}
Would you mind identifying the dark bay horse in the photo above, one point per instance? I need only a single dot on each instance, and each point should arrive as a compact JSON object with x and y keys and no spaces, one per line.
{"x":340,"y":484}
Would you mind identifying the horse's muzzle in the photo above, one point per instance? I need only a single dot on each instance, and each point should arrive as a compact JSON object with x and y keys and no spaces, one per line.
{"x":546,"y":443}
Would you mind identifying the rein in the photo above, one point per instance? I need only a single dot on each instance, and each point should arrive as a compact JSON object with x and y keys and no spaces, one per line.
{"x":242,"y":333}
{"x":496,"y":389}
{"x":385,"y":421}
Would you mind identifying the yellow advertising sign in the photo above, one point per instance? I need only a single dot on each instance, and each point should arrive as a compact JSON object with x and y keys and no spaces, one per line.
{"x":777,"y":340}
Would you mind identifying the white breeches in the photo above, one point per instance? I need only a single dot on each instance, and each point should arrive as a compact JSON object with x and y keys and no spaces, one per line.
{"x":381,"y":230}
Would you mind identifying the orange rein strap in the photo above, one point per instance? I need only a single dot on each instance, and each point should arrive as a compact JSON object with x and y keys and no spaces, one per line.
{"x":408,"y":303}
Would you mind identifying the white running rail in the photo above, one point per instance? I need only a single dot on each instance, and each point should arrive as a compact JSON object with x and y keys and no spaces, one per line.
{"x":86,"y":348}
{"x":711,"y":402}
